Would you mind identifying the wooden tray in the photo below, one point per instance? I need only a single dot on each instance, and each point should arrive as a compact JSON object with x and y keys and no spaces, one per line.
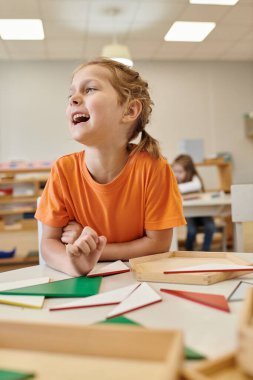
{"x":151,"y":268}
{"x":224,"y":368}
{"x":108,"y":352}
{"x":245,"y":349}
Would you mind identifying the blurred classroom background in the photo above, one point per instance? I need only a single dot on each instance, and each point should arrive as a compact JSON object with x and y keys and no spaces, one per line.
{"x":202,"y":91}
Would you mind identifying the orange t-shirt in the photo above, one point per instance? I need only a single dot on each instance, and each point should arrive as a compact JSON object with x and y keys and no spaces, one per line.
{"x":144,"y":196}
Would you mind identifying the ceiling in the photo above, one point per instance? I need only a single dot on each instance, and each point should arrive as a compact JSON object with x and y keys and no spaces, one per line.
{"x":78,"y":29}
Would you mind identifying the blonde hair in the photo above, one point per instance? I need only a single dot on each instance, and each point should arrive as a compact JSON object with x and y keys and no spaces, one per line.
{"x":188,"y":165}
{"x":130,"y":86}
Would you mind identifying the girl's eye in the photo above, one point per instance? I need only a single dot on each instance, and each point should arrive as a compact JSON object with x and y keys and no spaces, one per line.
{"x":90,"y":89}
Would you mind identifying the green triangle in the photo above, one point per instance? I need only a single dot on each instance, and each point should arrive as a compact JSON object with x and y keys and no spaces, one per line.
{"x":14,"y":375}
{"x":190,"y":354}
{"x":71,"y":287}
{"x":120,"y":320}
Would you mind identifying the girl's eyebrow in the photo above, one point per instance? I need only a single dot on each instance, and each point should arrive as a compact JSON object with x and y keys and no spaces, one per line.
{"x":85,"y":82}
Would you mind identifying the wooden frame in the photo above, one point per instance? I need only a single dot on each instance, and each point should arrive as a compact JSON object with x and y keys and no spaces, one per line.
{"x":245,"y":349}
{"x":151,"y":268}
{"x":224,"y":171}
{"x":224,"y":368}
{"x":92,"y":352}
{"x":242,"y":211}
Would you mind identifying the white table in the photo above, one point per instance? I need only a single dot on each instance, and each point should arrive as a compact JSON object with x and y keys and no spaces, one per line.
{"x":208,"y":206}
{"x":207,"y":330}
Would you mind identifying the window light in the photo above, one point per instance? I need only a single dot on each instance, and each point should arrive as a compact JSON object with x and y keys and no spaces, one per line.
{"x":189,"y":31}
{"x":21,"y":29}
{"x":214,"y":2}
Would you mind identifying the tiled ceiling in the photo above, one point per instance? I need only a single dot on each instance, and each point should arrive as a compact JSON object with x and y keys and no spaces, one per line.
{"x":78,"y":29}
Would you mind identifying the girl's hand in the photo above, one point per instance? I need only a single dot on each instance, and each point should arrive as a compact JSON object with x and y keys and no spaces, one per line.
{"x":71,"y":232}
{"x":87,"y":249}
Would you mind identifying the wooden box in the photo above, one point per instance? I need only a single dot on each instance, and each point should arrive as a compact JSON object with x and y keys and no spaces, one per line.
{"x":224,"y":368}
{"x":245,"y":348}
{"x":108,"y":352}
{"x":151,"y":268}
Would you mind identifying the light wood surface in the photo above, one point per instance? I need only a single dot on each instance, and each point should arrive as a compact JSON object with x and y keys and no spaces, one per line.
{"x":151,"y":268}
{"x":225,"y":368}
{"x":219,"y":329}
{"x":95,"y":352}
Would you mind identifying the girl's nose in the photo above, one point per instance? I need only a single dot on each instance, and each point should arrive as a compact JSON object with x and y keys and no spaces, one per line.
{"x":75,"y":99}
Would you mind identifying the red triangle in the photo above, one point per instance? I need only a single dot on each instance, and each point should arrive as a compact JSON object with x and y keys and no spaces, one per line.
{"x":212,"y":300}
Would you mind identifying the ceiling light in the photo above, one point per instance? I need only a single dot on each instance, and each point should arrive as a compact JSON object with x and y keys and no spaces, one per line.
{"x":189,"y":31}
{"x":214,"y":2}
{"x":118,"y":52}
{"x":21,"y":29}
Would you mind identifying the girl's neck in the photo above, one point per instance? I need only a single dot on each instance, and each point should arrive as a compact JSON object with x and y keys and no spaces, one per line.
{"x":105,"y":165}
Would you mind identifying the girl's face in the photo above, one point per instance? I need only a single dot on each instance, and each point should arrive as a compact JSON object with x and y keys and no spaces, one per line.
{"x":179,"y":172}
{"x":94,"y":114}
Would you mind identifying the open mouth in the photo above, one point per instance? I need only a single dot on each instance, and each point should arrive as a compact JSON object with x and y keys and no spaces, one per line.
{"x":80,"y":118}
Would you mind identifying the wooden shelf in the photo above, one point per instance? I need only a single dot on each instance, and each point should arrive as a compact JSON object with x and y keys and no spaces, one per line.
{"x":17,"y":211}
{"x":20,"y":189}
{"x":12,"y":181}
{"x":224,"y":172}
{"x":17,"y":263}
{"x":17,"y":199}
{"x":23,"y":186}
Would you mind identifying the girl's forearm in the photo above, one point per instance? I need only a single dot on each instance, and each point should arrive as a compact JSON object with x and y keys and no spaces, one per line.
{"x":55,"y":254}
{"x":135,"y":248}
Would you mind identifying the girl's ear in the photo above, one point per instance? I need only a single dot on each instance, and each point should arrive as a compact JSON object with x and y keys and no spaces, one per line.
{"x":132,"y":111}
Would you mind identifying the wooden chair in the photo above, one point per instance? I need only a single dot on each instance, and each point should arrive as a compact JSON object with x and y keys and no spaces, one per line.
{"x":242,"y":216}
{"x":41,"y":260}
{"x":174,"y":242}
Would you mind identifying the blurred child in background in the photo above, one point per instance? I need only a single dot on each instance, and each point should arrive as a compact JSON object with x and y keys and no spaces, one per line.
{"x":189,"y":181}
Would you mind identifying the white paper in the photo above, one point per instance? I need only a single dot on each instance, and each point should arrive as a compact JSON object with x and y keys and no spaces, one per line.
{"x":117,"y":266}
{"x":212,"y":267}
{"x":23,"y":283}
{"x":208,"y":331}
{"x":107,"y":298}
{"x":240,"y":292}
{"x":144,"y":295}
{"x":23,"y":301}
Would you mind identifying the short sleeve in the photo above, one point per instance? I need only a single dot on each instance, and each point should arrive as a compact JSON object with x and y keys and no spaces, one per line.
{"x":51,"y":209}
{"x":163,"y":200}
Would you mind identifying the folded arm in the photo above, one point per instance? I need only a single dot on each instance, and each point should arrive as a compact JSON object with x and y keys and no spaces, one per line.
{"x":153,"y":242}
{"x":191,"y":186}
{"x":75,"y":259}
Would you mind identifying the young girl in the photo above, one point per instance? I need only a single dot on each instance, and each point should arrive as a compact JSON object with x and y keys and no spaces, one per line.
{"x":189,"y":181}
{"x":113,"y":200}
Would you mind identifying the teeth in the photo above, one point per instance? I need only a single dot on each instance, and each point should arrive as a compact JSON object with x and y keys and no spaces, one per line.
{"x":77,"y":115}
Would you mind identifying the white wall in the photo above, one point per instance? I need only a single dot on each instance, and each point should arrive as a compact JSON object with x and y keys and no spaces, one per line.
{"x":192,"y":100}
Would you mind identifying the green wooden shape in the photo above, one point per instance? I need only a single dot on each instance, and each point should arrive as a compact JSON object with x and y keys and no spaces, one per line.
{"x":72,"y":287}
{"x":190,"y":354}
{"x":120,"y":320}
{"x":14,"y":375}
